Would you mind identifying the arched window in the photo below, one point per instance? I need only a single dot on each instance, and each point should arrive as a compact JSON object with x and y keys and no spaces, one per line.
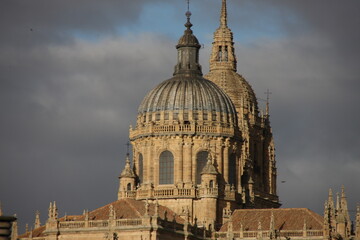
{"x":128,"y":187}
{"x":211,"y":184}
{"x":232,"y":169}
{"x":201,"y":159}
{"x":219,"y":56}
{"x":141,"y":168}
{"x":226,"y":53}
{"x":166,"y":168}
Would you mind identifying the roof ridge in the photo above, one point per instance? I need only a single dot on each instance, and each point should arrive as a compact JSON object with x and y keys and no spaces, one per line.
{"x":132,"y":207}
{"x":315,"y":215}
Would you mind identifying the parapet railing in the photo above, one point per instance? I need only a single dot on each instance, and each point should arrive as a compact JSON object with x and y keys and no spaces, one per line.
{"x":173,"y":192}
{"x":180,"y":128}
{"x":100,"y":223}
{"x":266,"y":234}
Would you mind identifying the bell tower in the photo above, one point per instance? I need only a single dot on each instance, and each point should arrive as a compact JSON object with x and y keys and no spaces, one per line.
{"x":256,"y":173}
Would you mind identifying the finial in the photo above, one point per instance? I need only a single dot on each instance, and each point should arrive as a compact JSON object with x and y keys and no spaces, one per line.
{"x":223,"y":18}
{"x":37,"y":223}
{"x":188,"y":24}
{"x":1,"y":213}
{"x":343,"y":191}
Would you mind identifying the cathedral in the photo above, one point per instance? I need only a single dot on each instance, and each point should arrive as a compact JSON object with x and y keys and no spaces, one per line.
{"x":203,"y":165}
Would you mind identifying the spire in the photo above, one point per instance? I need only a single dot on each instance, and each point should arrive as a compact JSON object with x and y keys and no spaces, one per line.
{"x":223,"y":52}
{"x":209,"y":167}
{"x":50,"y":212}
{"x":223,"y":17}
{"x":37,"y":223}
{"x":1,"y":212}
{"x":127,"y":172}
{"x":188,"y":51}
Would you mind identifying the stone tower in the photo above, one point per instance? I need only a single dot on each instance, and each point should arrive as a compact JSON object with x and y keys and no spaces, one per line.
{"x":257,"y":165}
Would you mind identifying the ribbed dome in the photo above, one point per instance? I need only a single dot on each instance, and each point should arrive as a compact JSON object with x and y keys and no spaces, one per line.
{"x":187,"y":93}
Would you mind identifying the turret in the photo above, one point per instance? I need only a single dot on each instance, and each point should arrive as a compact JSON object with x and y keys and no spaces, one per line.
{"x":52,"y":228}
{"x":209,"y":192}
{"x":127,"y":181}
{"x":37,"y":222}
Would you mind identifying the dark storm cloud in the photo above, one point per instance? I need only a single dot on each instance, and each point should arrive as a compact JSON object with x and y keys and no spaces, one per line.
{"x":38,"y":21}
{"x":67,"y":103}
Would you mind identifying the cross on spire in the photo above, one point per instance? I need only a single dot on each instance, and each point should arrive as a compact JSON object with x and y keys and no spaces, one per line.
{"x":268,"y":93}
{"x":188,"y":5}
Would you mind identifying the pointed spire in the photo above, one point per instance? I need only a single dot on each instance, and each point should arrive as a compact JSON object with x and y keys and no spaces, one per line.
{"x":209,"y":167}
{"x":337,"y":201}
{"x":50,"y":212}
{"x":55,"y":211}
{"x":1,"y":212}
{"x":223,"y":52}
{"x":223,"y":17}
{"x":37,"y":222}
{"x":343,"y":201}
{"x":330,"y":199}
{"x":127,"y":172}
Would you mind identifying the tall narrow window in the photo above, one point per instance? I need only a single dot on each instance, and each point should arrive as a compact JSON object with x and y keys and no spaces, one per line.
{"x":141,"y":168}
{"x":128,"y":188}
{"x":226,"y":54}
{"x":232,"y":169}
{"x":201,"y":159}
{"x":219,"y":57}
{"x":166,"y":168}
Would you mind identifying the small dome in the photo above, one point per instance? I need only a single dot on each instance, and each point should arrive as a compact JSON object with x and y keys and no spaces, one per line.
{"x":183,"y":93}
{"x":188,"y":39}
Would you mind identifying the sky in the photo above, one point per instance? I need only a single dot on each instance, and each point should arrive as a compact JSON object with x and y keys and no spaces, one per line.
{"x":73,"y":73}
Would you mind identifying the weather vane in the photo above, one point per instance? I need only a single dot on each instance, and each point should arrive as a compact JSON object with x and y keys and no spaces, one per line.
{"x":188,"y":13}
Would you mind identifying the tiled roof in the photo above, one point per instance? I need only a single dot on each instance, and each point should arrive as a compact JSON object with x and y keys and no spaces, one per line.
{"x":124,"y":209}
{"x":284,"y":219}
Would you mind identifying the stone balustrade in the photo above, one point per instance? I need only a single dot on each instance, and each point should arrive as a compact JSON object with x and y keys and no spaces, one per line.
{"x":180,"y":128}
{"x":300,"y":234}
{"x":173,"y":192}
{"x":100,"y":223}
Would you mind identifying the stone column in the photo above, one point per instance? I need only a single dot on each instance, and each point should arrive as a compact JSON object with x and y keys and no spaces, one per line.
{"x":220,"y":158}
{"x":187,"y":164}
{"x":150,"y":162}
{"x":179,"y":172}
{"x":226,"y":162}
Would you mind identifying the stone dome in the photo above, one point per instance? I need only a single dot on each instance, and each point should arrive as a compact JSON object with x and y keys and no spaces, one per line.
{"x":187,"y":103}
{"x":188,"y":93}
